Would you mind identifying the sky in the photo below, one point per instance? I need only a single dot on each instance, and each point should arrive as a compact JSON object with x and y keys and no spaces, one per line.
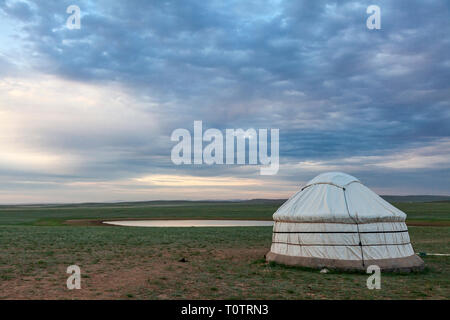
{"x":86,"y":115}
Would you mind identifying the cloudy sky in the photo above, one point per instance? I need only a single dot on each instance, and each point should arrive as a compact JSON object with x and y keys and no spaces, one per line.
{"x":87,"y":115}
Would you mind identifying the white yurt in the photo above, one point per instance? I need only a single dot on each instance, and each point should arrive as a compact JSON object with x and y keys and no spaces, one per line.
{"x":335,"y":221}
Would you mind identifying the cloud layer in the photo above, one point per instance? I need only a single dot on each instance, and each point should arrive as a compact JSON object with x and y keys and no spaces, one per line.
{"x":98,"y":105}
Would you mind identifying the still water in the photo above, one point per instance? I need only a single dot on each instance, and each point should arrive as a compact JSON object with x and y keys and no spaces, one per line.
{"x":191,"y":223}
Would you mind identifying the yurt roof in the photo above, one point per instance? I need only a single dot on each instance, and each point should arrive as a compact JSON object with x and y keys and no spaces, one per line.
{"x":339,"y":179}
{"x":340,"y":198}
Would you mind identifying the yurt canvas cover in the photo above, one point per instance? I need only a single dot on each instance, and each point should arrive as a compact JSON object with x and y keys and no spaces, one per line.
{"x":335,"y":221}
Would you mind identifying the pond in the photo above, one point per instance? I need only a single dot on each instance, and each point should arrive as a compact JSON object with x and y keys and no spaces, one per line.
{"x":191,"y":223}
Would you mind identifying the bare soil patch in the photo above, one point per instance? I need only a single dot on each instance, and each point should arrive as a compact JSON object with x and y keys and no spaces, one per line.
{"x":161,"y":276}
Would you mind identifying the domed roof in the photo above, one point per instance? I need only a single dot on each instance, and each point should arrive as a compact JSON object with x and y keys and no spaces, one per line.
{"x":340,"y":198}
{"x":339,"y":179}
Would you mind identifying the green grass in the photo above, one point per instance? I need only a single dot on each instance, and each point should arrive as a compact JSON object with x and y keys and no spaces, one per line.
{"x":56,"y":215}
{"x":426,"y":211}
{"x":216,"y":267}
{"x":222,"y":263}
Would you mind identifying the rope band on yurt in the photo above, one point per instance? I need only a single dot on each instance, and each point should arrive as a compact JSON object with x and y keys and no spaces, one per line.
{"x":357,"y":227}
{"x":330,"y":183}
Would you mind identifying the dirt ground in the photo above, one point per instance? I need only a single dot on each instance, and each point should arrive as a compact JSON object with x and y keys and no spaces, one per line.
{"x":122,"y":279}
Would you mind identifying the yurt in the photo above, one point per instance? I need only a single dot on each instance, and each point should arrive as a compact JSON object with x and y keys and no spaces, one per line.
{"x":334,"y":221}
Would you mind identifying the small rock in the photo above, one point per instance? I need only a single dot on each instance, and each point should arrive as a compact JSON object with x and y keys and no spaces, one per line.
{"x":183,"y":260}
{"x":324,"y":270}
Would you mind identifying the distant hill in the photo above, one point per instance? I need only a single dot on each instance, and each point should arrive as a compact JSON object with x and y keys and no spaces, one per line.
{"x":172,"y":203}
{"x":420,"y":198}
{"x":424,"y":198}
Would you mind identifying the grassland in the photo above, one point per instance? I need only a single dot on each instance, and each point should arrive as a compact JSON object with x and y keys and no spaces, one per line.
{"x":36,"y":246}
{"x":438,"y":212}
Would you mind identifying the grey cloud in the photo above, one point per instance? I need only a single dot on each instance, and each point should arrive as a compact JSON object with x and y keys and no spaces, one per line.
{"x":310,"y":68}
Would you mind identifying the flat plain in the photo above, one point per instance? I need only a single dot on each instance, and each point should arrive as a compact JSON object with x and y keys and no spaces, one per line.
{"x":38,"y":243}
